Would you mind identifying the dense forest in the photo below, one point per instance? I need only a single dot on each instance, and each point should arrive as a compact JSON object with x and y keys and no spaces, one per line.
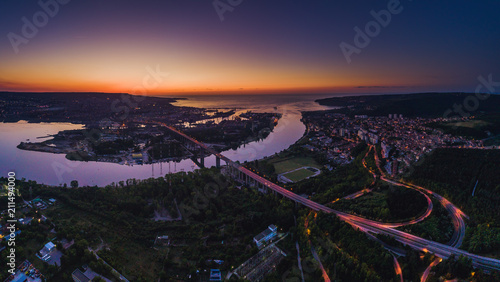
{"x":469,"y":179}
{"x":218,"y":222}
{"x":386,"y":203}
{"x":409,"y":105}
{"x":437,"y":227}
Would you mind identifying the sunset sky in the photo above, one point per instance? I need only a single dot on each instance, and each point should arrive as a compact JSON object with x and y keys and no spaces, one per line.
{"x":261,"y":46}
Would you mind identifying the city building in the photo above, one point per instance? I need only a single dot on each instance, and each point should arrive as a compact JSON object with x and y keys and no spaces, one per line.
{"x":265,"y":236}
{"x":137,"y":156}
{"x":395,"y":165}
{"x":385,"y":150}
{"x":78,"y":276}
{"x":48,"y":247}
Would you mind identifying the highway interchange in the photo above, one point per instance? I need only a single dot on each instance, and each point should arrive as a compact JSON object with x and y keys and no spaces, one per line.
{"x":441,"y":250}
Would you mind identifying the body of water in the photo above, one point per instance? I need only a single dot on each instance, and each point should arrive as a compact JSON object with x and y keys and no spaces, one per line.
{"x":55,"y":169}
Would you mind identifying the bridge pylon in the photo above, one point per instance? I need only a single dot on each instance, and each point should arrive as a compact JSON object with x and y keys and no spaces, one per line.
{"x":217,"y":162}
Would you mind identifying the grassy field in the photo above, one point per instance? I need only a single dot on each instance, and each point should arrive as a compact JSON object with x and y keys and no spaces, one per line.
{"x":481,"y":127}
{"x":283,"y":165}
{"x":298,"y":175}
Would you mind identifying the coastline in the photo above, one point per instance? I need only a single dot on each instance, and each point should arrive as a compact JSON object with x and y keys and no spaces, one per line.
{"x":57,"y":145}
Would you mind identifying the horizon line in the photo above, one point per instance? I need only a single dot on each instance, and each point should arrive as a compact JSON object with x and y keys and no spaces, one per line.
{"x":246,"y":94}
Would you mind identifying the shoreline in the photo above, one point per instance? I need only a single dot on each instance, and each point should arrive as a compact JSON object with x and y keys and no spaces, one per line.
{"x":68,"y":148}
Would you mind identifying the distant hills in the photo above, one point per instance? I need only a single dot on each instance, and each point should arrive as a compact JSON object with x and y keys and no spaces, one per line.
{"x":413,"y":105}
{"x":79,"y":106}
{"x":71,"y":96}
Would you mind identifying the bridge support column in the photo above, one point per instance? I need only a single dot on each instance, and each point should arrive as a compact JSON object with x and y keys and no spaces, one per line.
{"x":202,"y":157}
{"x":217,"y":162}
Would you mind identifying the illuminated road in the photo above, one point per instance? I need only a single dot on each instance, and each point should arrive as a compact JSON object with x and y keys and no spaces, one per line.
{"x":441,"y":250}
{"x":362,"y":192}
{"x":323,"y":271}
{"x":397,"y":268}
{"x":416,"y":220}
{"x":428,"y":269}
{"x":415,"y":242}
{"x":456,"y":214}
{"x":366,"y":190}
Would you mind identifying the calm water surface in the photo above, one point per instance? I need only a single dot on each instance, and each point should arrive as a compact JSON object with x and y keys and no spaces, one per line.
{"x":54,"y":169}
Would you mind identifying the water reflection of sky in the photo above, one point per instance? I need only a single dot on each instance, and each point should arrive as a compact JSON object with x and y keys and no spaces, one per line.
{"x":54,"y":169}
{"x":257,"y":103}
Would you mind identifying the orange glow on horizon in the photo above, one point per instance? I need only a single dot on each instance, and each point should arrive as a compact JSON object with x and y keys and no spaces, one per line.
{"x":102,"y":67}
{"x":77,"y":86}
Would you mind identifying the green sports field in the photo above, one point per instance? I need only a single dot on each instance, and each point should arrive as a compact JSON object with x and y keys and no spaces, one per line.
{"x":298,"y":175}
{"x":282,"y":165}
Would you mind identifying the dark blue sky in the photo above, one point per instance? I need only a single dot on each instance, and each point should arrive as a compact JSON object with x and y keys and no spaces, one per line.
{"x":260,"y":46}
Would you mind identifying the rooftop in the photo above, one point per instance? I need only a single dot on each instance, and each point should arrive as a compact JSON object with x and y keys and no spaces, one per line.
{"x":215,"y":275}
{"x":262,"y":235}
{"x":78,"y":276}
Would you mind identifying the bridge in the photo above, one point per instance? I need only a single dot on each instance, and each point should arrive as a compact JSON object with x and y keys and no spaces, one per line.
{"x":252,"y":179}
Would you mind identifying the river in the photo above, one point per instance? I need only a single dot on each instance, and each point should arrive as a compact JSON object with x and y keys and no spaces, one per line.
{"x":55,"y":169}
